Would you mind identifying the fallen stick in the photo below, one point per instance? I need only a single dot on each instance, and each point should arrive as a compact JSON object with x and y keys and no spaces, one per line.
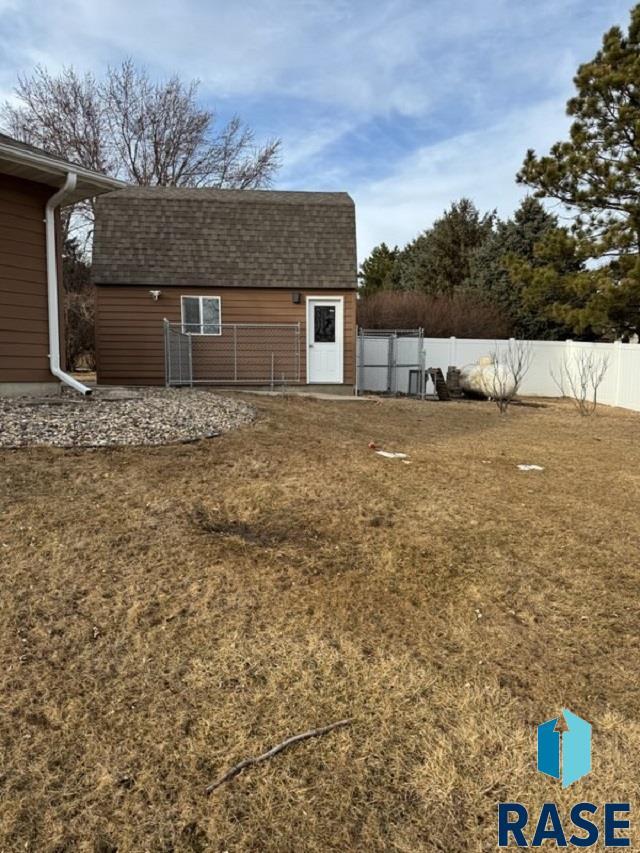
{"x":247,"y":762}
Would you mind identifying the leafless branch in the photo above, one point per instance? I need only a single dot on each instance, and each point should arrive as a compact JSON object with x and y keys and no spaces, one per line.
{"x":143,"y":131}
{"x":510,"y":366}
{"x":131,"y":127}
{"x":579,"y":378}
{"x":248,"y":762}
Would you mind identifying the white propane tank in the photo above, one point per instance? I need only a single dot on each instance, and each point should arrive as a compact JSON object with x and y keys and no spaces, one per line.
{"x":485,"y":378}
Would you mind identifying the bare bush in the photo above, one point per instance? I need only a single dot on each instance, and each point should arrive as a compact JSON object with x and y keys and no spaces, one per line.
{"x":463,"y":315}
{"x":79,"y":307}
{"x":510,"y":366}
{"x":579,"y":378}
{"x":79,"y":310}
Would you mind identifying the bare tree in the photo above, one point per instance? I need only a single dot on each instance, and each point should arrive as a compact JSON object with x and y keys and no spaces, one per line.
{"x":509,"y":367}
{"x":579,"y":378}
{"x":160,"y":135}
{"x":130,"y":127}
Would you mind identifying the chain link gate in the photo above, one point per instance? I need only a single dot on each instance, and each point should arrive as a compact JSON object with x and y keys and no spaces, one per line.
{"x":241,"y":354}
{"x":391,"y":361}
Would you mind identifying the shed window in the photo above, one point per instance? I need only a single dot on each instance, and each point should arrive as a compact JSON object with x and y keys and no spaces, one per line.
{"x":201,"y":315}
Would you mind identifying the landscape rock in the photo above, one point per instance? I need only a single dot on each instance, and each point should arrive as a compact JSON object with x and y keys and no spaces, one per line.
{"x":116,"y":417}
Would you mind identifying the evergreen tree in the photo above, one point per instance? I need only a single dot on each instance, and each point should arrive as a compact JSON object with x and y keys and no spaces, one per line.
{"x":377,"y":271}
{"x":494,"y":262}
{"x":596,"y":172}
{"x":439,"y":260}
{"x":555,"y":289}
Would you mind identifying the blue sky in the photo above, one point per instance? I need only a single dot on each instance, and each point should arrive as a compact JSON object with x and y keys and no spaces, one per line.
{"x":407,"y":105}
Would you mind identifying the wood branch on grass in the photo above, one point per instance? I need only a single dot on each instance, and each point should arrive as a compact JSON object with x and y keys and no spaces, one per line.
{"x":248,"y":762}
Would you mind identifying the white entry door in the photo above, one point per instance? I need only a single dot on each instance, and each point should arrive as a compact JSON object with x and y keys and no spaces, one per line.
{"x":324,"y":339}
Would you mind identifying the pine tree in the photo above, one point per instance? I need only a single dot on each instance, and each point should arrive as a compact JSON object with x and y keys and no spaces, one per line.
{"x":596,"y":172}
{"x":514,"y":242}
{"x":439,"y":260}
{"x":377,"y":271}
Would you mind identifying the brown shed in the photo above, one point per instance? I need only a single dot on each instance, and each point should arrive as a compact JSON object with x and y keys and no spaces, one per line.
{"x":32,"y":186}
{"x":253,"y":285}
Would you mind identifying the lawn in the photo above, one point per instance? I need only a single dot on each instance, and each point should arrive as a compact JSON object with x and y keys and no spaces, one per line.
{"x":168,"y":612}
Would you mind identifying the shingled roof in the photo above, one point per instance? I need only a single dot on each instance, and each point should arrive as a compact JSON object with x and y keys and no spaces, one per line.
{"x":237,"y":238}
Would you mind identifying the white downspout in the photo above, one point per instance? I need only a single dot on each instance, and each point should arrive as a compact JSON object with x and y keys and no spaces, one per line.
{"x":52,"y":285}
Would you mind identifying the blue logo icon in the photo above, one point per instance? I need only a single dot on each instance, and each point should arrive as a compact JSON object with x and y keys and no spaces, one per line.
{"x":565,"y":754}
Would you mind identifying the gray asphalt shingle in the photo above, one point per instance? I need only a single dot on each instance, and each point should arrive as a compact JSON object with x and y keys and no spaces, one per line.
{"x":212,"y":237}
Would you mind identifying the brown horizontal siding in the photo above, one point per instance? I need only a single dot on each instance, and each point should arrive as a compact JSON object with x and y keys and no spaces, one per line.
{"x":130,"y":337}
{"x":24,"y":344}
{"x":22,"y":219}
{"x":19,"y":237}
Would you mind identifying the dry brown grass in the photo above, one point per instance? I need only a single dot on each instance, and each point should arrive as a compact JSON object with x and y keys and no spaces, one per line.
{"x":168,"y":612}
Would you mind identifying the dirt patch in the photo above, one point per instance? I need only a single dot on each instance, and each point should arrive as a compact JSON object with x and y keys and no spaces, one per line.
{"x":262,"y":532}
{"x":169,"y":611}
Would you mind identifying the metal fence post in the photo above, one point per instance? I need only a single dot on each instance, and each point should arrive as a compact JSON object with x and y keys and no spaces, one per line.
{"x":167,"y":355}
{"x":421,"y":363}
{"x":358,"y":360}
{"x":235,"y":353}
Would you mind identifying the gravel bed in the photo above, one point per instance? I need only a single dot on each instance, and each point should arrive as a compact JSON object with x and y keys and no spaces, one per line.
{"x":116,"y":417}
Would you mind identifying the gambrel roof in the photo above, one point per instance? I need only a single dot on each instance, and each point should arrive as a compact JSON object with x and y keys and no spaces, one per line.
{"x":214,"y":237}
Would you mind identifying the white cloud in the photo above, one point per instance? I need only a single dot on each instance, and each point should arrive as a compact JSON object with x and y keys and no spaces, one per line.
{"x":489,"y":79}
{"x":481,"y":165}
{"x":399,"y":55}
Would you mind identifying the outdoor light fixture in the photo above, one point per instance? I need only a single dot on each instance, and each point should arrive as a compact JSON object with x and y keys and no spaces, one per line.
{"x":296,"y":297}
{"x":155,"y":294}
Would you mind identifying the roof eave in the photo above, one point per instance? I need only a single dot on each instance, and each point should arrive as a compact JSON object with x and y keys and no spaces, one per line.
{"x":47,"y":170}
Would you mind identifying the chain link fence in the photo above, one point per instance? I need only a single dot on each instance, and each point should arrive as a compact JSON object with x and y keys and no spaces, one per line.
{"x":391,"y":361}
{"x":241,"y":354}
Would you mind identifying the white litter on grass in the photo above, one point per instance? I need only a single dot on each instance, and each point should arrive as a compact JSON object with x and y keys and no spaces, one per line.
{"x":531,"y":467}
{"x":389,"y":455}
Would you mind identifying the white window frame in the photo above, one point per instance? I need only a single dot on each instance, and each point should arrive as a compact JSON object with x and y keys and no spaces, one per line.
{"x":200,"y":298}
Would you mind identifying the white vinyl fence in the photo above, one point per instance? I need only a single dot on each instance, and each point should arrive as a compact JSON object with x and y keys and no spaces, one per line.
{"x":620,"y":386}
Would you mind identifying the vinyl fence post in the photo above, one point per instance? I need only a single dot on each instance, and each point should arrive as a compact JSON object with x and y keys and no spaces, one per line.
{"x":618,"y":351}
{"x":452,"y":352}
{"x":568,"y":358}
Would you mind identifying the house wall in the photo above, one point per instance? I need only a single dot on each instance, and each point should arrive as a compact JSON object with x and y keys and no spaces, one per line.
{"x":130,"y":335}
{"x":24,"y":335}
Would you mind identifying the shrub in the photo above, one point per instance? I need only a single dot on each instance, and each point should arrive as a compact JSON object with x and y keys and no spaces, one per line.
{"x":462,"y":314}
